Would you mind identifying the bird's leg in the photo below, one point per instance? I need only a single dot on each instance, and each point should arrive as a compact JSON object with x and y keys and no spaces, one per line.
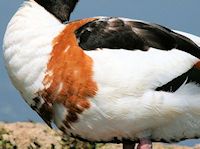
{"x":128,"y":145}
{"x":144,"y":144}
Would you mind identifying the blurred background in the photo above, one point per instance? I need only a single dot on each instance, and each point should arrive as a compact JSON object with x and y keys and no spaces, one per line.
{"x":180,"y":15}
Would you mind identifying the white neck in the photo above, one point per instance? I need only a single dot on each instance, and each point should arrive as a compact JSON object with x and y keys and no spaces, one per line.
{"x":35,"y":15}
{"x":27,"y":45}
{"x":29,"y":22}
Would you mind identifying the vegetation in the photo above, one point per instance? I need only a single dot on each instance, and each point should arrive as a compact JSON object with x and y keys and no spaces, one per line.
{"x":5,"y":144}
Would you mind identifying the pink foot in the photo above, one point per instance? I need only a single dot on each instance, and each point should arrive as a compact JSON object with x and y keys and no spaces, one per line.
{"x":145,"y":144}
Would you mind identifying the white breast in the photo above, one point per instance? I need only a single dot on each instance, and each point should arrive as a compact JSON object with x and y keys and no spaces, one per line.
{"x":27,"y":45}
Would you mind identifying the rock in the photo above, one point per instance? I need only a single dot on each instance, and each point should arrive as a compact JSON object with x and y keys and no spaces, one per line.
{"x":27,"y":135}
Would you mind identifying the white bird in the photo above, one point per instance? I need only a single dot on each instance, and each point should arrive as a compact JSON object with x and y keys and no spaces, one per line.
{"x":105,"y":79}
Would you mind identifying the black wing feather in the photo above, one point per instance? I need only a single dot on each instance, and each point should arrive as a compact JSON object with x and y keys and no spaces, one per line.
{"x":104,"y":34}
{"x":116,"y":33}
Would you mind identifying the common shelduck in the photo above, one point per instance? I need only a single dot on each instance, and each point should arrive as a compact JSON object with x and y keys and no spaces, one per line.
{"x":105,"y":79}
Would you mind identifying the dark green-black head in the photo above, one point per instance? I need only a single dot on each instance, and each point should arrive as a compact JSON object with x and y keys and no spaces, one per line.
{"x":61,"y":9}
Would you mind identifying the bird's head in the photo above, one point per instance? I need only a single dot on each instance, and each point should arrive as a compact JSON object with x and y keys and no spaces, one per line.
{"x":61,"y":9}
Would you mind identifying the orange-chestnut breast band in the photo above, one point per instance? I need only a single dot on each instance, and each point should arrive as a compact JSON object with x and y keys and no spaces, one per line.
{"x":69,"y":77}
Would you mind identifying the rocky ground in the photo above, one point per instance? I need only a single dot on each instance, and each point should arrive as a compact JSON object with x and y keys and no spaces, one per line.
{"x":29,"y":135}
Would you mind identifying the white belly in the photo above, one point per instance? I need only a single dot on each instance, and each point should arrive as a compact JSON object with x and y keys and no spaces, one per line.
{"x":159,"y":116}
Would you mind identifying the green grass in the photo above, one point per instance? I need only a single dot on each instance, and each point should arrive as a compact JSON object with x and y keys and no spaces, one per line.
{"x":5,"y":144}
